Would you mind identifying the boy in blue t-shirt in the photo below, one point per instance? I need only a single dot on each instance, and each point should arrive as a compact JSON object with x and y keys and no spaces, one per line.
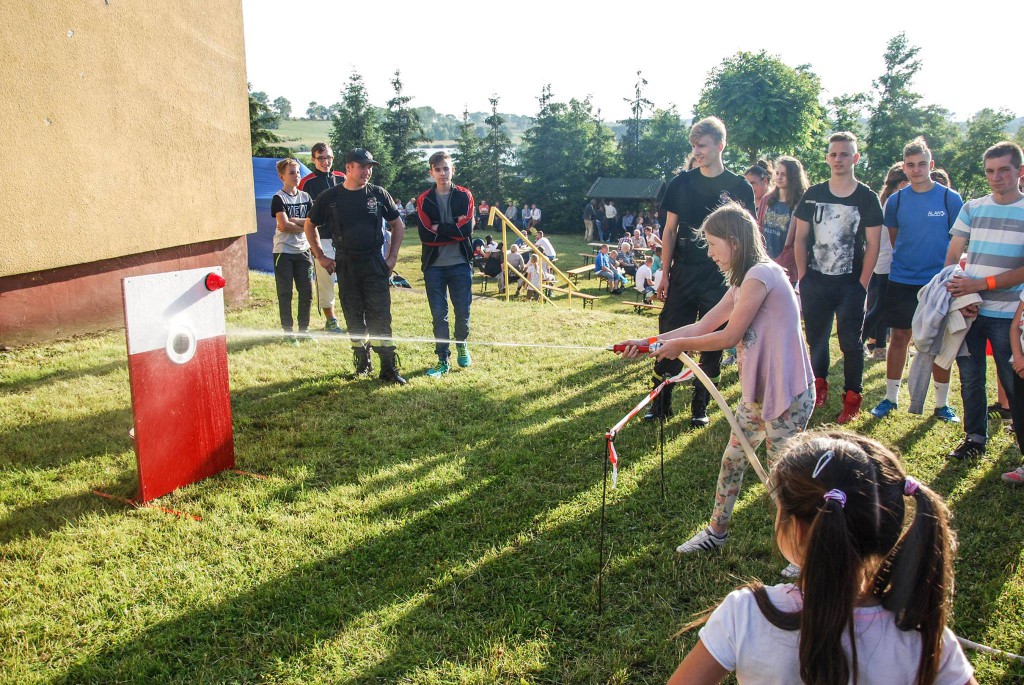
{"x":918,"y":218}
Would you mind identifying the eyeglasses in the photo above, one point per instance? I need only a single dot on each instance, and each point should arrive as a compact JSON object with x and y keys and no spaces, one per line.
{"x":323,"y":159}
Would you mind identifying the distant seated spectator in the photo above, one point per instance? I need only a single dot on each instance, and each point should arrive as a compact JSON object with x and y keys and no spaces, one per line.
{"x":534,"y":216}
{"x":604,"y":267}
{"x":645,"y":280}
{"x":492,"y":265}
{"x":483,"y":210}
{"x":657,"y":260}
{"x":533,"y":276}
{"x":652,"y":240}
{"x":627,"y":259}
{"x":545,"y":246}
{"x":638,"y":239}
{"x":489,"y":245}
{"x":515,"y":261}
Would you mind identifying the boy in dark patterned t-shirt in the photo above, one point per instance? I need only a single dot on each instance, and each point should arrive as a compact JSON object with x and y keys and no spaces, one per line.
{"x":838,"y":226}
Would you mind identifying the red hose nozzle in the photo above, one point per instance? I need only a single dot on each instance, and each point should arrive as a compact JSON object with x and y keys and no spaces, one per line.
{"x":214,"y":281}
{"x":652,"y":345}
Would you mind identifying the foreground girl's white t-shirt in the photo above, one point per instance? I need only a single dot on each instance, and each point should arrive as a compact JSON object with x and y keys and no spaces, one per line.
{"x":742,"y":640}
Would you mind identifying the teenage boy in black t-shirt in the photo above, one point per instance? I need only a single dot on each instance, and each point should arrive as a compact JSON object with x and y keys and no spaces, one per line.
{"x":315,"y":183}
{"x":355,"y":212}
{"x":838,"y":226}
{"x":691,"y":283}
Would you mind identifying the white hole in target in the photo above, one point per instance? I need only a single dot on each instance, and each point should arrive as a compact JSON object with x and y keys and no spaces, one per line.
{"x":181,"y":344}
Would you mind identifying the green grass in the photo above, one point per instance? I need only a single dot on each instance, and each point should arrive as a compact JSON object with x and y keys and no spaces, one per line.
{"x":304,"y":133}
{"x":445,"y":532}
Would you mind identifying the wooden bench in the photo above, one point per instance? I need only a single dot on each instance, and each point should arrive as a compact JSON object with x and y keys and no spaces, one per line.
{"x":583,"y":296}
{"x":587,"y":256}
{"x":639,"y":307}
{"x":574,"y":274}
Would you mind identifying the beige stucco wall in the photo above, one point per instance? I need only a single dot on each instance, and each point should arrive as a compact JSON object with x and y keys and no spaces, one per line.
{"x":124,"y":128}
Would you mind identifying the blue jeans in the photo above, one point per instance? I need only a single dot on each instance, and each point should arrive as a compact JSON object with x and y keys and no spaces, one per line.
{"x":972,"y":372}
{"x":441,"y":281}
{"x":822,"y":299}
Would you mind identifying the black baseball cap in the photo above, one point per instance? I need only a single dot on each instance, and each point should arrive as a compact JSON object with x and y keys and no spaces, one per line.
{"x":361,"y":156}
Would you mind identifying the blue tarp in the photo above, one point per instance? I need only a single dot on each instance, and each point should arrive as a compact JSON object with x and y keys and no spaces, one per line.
{"x":261,"y":243}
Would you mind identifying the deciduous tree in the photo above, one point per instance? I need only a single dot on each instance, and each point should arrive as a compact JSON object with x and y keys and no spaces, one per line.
{"x":965,"y":166}
{"x":283,"y":107}
{"x":562,"y":155}
{"x":896,"y":116}
{"x":768,"y":107}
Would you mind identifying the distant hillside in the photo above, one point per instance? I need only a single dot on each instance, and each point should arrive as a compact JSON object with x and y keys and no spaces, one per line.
{"x":299,"y":135}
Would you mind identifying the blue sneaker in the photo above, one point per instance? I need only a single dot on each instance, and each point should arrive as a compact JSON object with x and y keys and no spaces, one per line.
{"x":946,"y":414}
{"x":884,"y":408}
{"x":462,"y":355}
{"x":439,"y":370}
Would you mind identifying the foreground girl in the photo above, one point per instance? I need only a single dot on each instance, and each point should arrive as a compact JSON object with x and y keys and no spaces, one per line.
{"x":870,"y":605}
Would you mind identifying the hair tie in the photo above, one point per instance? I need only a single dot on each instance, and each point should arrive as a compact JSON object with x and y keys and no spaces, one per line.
{"x":838,"y":496}
{"x":823,"y":461}
{"x":910,"y":486}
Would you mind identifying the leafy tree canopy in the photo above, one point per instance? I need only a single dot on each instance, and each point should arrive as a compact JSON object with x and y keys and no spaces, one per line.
{"x":767,"y":106}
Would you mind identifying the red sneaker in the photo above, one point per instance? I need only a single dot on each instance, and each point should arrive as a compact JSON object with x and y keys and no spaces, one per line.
{"x":851,"y":407}
{"x":820,"y":392}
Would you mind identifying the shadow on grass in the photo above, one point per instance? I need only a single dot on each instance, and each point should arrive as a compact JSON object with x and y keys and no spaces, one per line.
{"x":504,"y":552}
{"x":82,"y":437}
{"x":45,"y":377}
{"x":42,"y":519}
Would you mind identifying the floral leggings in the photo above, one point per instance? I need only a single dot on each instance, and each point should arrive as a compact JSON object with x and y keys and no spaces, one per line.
{"x":777,"y":433}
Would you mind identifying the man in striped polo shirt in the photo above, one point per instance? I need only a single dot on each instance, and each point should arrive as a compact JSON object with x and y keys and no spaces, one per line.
{"x":991,"y":228}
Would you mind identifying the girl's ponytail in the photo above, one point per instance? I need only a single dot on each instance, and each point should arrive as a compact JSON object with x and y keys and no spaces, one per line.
{"x":830,"y":580}
{"x":915,"y":580}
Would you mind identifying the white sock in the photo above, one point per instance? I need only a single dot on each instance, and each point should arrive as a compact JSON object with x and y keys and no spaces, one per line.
{"x":941,"y":394}
{"x":892,"y":390}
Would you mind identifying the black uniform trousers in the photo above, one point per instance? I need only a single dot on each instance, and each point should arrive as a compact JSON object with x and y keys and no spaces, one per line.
{"x":365,"y":288}
{"x":692,"y":293}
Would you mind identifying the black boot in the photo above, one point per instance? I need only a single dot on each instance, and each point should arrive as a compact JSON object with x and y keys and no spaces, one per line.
{"x":699,"y":406}
{"x":389,"y":365}
{"x":660,"y":405}
{"x":362,"y":360}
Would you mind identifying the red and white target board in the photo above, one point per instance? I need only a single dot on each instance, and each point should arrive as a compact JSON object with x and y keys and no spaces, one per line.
{"x":178,"y":368}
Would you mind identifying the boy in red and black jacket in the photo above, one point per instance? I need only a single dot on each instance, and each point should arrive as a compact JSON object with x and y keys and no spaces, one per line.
{"x":446,"y":228}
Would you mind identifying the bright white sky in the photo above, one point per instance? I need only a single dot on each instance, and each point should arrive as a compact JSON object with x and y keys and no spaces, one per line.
{"x":458,"y":56}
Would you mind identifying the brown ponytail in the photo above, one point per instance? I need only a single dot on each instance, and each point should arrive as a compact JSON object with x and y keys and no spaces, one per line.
{"x":915,"y":577}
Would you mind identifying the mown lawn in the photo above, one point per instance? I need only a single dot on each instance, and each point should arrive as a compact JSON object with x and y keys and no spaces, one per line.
{"x":445,"y":532}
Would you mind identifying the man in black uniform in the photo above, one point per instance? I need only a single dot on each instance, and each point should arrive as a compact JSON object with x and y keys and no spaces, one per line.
{"x":355,"y":211}
{"x":693,"y":282}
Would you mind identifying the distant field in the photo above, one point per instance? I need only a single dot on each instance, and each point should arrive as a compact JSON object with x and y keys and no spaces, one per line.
{"x":302,"y":134}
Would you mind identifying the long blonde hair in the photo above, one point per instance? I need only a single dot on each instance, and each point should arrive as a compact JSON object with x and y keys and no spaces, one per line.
{"x":733,"y":223}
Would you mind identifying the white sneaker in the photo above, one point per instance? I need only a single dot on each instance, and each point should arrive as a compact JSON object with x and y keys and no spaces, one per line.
{"x":791,"y":571}
{"x":704,"y":541}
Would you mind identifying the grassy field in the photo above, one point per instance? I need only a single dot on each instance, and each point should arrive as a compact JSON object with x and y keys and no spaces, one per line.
{"x":444,"y":532}
{"x":304,"y":133}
